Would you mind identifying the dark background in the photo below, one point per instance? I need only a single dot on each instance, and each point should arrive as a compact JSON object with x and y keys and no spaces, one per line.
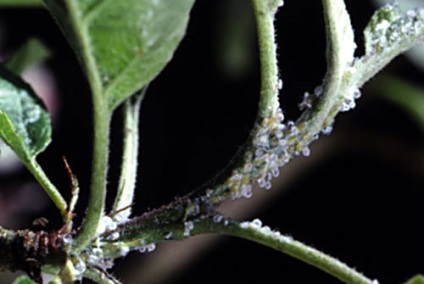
{"x":361,"y":202}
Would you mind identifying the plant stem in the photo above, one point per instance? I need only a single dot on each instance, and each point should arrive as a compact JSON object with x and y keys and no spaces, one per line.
{"x":101,"y":123}
{"x":295,"y":249}
{"x":17,"y":251}
{"x":369,"y":65}
{"x":339,"y":54}
{"x":48,"y":186}
{"x":268,"y":103}
{"x":128,"y":176}
{"x":97,"y":197}
{"x":145,"y":231}
{"x":264,"y":11}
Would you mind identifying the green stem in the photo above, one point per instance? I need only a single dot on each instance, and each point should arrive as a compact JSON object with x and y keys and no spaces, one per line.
{"x":267,"y":48}
{"x":48,"y":186}
{"x":295,"y":249}
{"x":340,"y":50}
{"x":264,"y":11}
{"x":369,"y":65}
{"x":336,"y":61}
{"x":339,"y":54}
{"x":65,"y":275}
{"x":144,"y":231}
{"x":101,"y":124}
{"x":128,"y":176}
{"x":97,"y":197}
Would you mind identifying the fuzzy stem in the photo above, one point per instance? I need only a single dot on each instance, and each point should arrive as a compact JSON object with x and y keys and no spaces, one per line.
{"x":48,"y":186}
{"x":101,"y":123}
{"x":264,"y":11}
{"x":340,"y":50}
{"x":96,"y":202}
{"x":267,"y":48}
{"x":144,"y":231}
{"x":128,"y":176}
{"x":295,"y":249}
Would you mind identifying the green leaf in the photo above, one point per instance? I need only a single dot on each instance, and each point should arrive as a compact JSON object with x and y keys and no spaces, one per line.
{"x":24,"y":121}
{"x":23,"y":280}
{"x":417,"y":279}
{"x":123,"y":44}
{"x":25,"y":126}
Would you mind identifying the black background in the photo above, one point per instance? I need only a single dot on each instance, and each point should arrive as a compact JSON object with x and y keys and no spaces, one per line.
{"x":362,"y":204}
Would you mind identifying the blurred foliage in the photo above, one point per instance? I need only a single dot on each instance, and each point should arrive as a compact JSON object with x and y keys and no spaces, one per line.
{"x":235,"y":39}
{"x":406,"y":95}
{"x":20,"y":3}
{"x":33,"y":52}
{"x":418,"y":279}
{"x":23,"y":280}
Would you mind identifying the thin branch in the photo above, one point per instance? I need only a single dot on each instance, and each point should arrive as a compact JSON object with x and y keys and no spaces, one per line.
{"x":48,"y":187}
{"x":264,"y":15}
{"x":389,"y":33}
{"x":126,"y":186}
{"x":28,"y":251}
{"x":340,"y":51}
{"x":253,"y":231}
{"x":97,"y":197}
{"x":245,"y":169}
